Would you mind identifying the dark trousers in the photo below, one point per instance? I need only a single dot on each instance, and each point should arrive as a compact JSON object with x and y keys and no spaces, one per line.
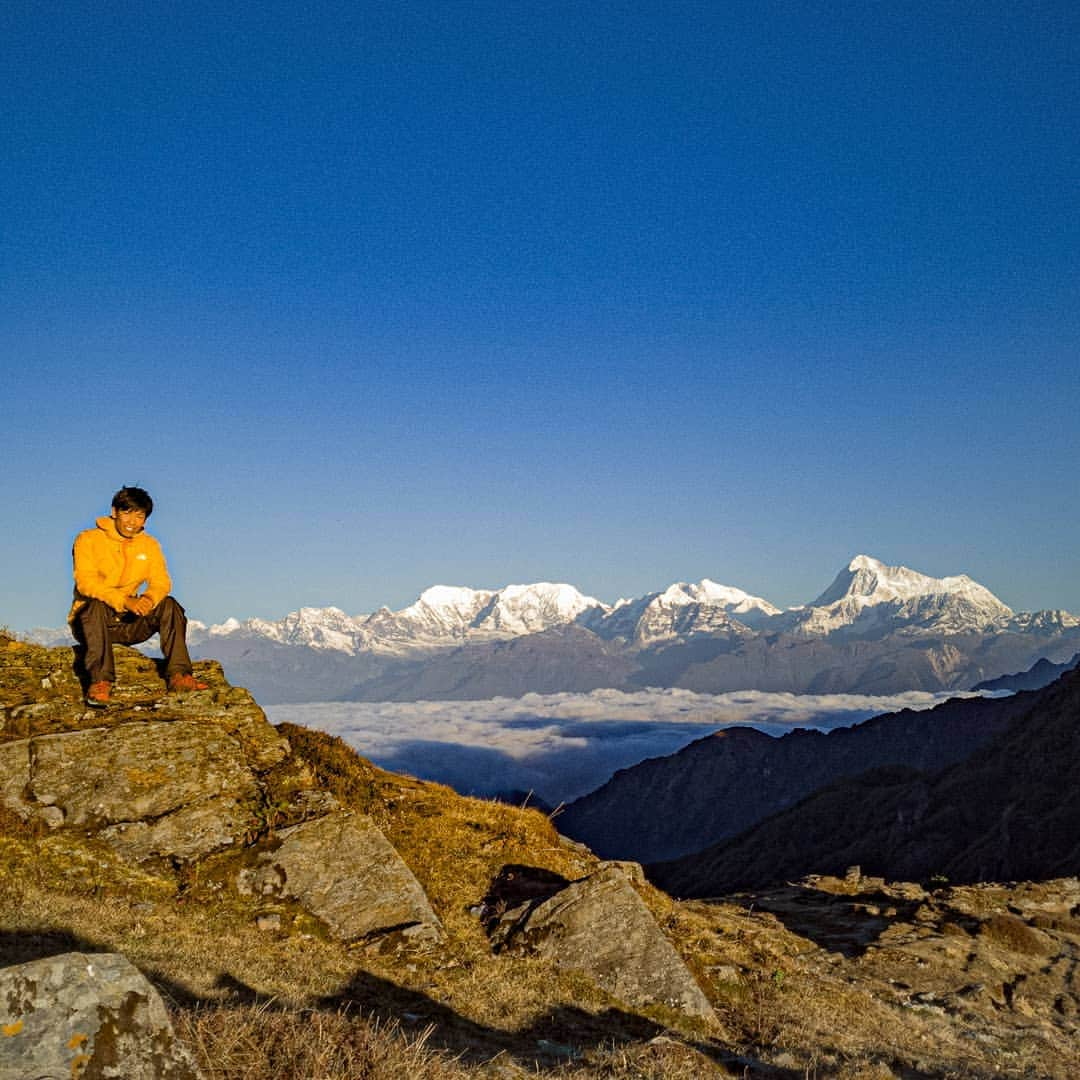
{"x":97,"y":627}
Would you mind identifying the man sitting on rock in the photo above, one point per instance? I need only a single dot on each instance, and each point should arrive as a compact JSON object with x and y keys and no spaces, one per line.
{"x":122,"y":597}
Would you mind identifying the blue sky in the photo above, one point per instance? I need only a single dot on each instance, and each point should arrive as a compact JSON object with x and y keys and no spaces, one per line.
{"x":379,"y":295}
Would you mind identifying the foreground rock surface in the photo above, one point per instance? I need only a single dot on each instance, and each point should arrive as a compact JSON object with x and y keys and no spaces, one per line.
{"x":156,"y":775}
{"x":170,"y":780}
{"x":86,"y":1015}
{"x":344,"y":871}
{"x":602,"y":927}
{"x":981,"y":976}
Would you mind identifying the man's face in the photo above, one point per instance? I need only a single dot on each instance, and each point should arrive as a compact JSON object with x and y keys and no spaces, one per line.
{"x":129,"y":523}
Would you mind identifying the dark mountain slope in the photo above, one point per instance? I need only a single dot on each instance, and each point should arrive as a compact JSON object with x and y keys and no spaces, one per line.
{"x":1010,"y":811}
{"x":723,"y":784}
{"x":1042,"y":673}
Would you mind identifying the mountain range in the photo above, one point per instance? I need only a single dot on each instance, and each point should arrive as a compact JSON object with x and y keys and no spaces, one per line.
{"x":719,"y":786}
{"x":1005,"y":812}
{"x":875,"y":629}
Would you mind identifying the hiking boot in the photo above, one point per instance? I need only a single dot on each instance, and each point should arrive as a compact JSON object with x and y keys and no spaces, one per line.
{"x":97,"y":696}
{"x":185,"y":684}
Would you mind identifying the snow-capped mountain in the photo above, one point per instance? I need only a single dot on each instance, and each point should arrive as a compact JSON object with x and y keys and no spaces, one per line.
{"x":311,"y":628}
{"x":867,"y":597}
{"x":452,"y":615}
{"x":442,"y":615}
{"x":876,"y":628}
{"x":684,"y":611}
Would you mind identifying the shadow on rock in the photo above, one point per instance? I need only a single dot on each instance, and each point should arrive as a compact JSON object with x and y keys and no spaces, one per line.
{"x":25,"y":947}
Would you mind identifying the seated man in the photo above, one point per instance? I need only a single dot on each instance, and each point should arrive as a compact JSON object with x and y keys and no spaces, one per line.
{"x":113,"y":562}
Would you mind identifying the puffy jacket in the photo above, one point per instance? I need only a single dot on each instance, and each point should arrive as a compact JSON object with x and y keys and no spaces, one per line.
{"x":108,"y":567}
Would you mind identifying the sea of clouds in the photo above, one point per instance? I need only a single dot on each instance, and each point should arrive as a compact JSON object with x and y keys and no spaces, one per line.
{"x":561,"y":746}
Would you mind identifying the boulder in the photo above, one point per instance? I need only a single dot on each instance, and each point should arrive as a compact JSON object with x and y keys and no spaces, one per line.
{"x":345,"y":872}
{"x":15,"y":776}
{"x":134,"y":771}
{"x":599,"y":925}
{"x":178,"y":777}
{"x":185,"y":835}
{"x":86,"y":1015}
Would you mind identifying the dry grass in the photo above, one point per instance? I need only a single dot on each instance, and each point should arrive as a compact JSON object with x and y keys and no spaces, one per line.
{"x":262,"y":1042}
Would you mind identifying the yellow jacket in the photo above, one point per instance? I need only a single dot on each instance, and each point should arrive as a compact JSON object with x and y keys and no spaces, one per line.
{"x":108,"y":567}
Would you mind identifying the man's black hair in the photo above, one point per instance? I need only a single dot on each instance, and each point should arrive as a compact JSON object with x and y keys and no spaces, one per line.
{"x":133,"y":498}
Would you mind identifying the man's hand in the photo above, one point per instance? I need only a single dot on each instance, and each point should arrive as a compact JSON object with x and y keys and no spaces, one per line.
{"x":139,"y":605}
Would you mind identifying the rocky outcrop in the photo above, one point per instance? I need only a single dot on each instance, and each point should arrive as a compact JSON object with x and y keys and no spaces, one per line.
{"x":150,"y":787}
{"x":137,"y":771}
{"x":86,"y":1015}
{"x":599,"y":926}
{"x":172,"y":779}
{"x":345,"y":872}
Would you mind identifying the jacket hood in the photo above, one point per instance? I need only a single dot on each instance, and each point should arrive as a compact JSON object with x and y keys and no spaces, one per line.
{"x":108,"y":526}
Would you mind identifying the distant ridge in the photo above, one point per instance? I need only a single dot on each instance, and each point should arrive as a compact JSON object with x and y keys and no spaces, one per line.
{"x":725,"y":783}
{"x":1008,"y":812}
{"x":1040,"y":674}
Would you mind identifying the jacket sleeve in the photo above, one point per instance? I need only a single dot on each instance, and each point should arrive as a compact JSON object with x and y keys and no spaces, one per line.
{"x":158,"y":582}
{"x":90,"y":577}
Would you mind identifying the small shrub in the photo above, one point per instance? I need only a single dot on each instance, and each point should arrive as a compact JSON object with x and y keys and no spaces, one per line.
{"x":1013,"y":934}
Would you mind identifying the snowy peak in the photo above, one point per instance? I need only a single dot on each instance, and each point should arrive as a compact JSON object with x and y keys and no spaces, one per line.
{"x":733,"y":601}
{"x":869,"y":578}
{"x":445,"y":614}
{"x":529,"y":609}
{"x":317,"y":628}
{"x":454,"y":598}
{"x":684,"y":610}
{"x":441,"y":611}
{"x":868,"y":593}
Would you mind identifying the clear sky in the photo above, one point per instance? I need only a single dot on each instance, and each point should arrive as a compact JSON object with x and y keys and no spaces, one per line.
{"x":373,"y":296}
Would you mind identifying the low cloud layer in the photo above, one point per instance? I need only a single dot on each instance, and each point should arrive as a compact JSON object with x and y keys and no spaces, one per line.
{"x":561,"y":746}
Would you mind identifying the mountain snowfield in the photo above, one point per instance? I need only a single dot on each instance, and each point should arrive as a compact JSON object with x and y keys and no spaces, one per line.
{"x":867,"y":598}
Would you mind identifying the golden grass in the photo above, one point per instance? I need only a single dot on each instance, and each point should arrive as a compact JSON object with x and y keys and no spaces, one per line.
{"x":263,"y":1042}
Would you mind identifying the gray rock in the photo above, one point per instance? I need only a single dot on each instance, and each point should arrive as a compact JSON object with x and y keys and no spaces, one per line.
{"x":135,"y":771}
{"x":86,"y":1015}
{"x":601,"y":926}
{"x":14,"y":776}
{"x":188,"y":833}
{"x":345,"y":872}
